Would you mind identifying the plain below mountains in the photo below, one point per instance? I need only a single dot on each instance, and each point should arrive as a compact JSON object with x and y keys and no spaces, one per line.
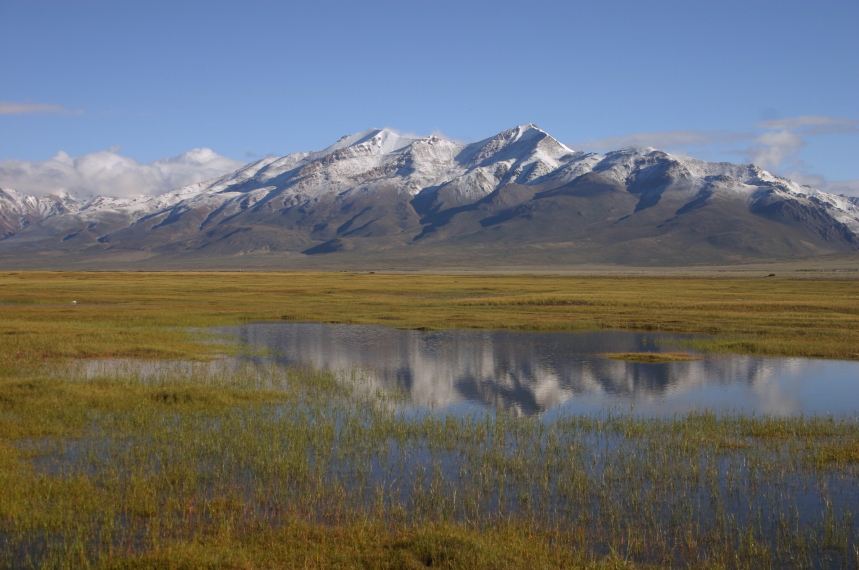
{"x":520,"y":196}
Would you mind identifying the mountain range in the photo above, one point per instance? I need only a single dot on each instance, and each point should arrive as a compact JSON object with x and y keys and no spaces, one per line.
{"x":519,"y":195}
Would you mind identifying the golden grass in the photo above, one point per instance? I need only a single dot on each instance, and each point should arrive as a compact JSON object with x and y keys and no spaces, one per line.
{"x":371,"y":546}
{"x":146,"y":315}
{"x":839,"y":453}
{"x":266,"y":468}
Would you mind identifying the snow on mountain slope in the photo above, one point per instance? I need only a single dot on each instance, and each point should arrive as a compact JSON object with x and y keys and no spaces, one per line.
{"x":17,"y":211}
{"x":449,"y":172}
{"x":377,"y":158}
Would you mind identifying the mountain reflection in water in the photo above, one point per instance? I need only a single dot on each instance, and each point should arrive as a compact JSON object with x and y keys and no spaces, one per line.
{"x":528,"y":372}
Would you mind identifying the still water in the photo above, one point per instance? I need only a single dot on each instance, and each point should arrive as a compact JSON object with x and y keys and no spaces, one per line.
{"x":534,"y":372}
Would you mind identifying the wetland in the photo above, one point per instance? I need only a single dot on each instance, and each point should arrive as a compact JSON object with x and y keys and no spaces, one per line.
{"x":132,"y":436}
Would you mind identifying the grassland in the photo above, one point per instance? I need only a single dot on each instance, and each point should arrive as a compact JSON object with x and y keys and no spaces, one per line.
{"x":264,"y":467}
{"x":146,"y":315}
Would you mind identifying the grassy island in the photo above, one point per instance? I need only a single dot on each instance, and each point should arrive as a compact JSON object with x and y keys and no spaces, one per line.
{"x":652,"y":357}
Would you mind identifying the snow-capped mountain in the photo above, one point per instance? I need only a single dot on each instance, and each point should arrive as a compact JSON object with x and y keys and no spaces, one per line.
{"x":522,"y":190}
{"x":17,"y":211}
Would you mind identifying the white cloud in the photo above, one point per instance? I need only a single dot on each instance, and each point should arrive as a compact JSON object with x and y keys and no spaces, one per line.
{"x":774,"y":150}
{"x":661,"y":140}
{"x":778,"y":146}
{"x":111,"y":174}
{"x":816,"y":123}
{"x":29,"y":108}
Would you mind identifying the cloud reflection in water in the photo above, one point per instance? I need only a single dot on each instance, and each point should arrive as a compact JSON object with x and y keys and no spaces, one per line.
{"x":530,"y":372}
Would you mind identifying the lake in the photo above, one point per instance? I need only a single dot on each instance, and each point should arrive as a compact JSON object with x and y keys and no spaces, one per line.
{"x":534,"y":372}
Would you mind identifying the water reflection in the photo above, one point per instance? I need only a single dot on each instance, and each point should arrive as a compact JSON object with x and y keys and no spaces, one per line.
{"x":532,"y":372}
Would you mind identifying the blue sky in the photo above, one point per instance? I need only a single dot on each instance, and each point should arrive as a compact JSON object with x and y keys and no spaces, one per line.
{"x":775,"y":83}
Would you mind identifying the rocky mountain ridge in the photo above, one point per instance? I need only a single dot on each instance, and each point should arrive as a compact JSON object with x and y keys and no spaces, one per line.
{"x":521,"y":190}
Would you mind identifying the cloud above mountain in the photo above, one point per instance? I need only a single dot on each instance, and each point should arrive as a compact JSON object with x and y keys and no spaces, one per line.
{"x":661,"y":140}
{"x":777,"y":147}
{"x":109,"y":173}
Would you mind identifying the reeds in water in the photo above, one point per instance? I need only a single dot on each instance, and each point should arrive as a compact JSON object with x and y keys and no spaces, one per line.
{"x":203,"y":467}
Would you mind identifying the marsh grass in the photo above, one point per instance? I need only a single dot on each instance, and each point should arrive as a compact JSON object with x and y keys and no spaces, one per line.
{"x":263,"y":466}
{"x":110,"y":461}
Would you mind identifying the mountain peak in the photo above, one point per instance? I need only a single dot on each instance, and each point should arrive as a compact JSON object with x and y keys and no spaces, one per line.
{"x":550,"y":143}
{"x":519,"y":143}
{"x":379,"y":141}
{"x":526,"y":128}
{"x":522,"y":132}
